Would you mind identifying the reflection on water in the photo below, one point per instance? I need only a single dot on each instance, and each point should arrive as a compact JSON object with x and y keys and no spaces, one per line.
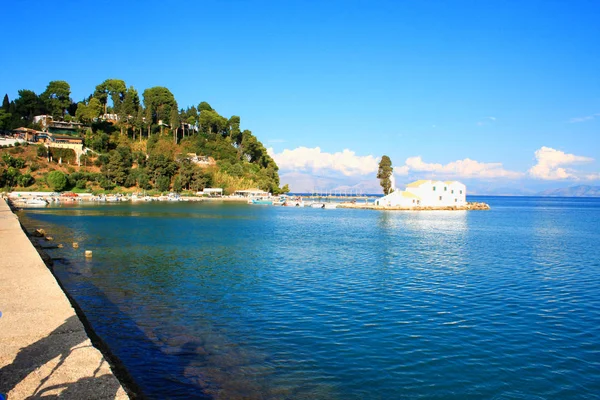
{"x":232,"y":301}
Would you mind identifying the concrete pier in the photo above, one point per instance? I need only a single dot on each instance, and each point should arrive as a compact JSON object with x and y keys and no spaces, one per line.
{"x":44,"y":349}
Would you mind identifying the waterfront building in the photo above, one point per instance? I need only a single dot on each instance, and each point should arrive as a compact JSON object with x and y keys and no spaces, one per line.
{"x":427,"y":193}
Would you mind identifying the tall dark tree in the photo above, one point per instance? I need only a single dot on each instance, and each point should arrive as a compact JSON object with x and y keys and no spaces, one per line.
{"x":56,"y":98}
{"x":115,"y":88}
{"x":158,"y":102}
{"x":27,"y":105}
{"x":384,"y":174}
{"x":5,"y":103}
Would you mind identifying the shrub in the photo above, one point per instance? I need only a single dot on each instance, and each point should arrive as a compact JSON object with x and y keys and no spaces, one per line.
{"x":56,"y":180}
{"x":42,"y":151}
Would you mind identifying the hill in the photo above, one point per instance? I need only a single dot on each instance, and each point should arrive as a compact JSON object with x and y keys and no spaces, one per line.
{"x":573,"y":191}
{"x":138,"y":143}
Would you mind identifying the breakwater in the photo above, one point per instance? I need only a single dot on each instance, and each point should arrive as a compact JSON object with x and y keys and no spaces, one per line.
{"x":45,"y":350}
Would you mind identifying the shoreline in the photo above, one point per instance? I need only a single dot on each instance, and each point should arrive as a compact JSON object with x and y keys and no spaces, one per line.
{"x":369,"y":206}
{"x":40,"y":321}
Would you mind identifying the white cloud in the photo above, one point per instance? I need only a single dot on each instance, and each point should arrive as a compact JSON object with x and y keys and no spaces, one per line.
{"x":583,"y":119}
{"x":345,"y":162}
{"x":466,"y":168}
{"x":551,"y":164}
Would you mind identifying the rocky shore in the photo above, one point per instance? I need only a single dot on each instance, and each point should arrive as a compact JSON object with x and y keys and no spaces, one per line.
{"x":371,"y":206}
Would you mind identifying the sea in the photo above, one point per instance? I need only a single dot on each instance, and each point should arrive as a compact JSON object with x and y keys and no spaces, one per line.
{"x":217,"y":300}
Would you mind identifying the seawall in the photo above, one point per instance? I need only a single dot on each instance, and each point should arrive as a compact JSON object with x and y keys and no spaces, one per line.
{"x":44,"y":348}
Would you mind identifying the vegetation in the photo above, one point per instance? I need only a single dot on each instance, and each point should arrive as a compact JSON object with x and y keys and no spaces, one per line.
{"x":139,"y":143}
{"x":384,"y":173}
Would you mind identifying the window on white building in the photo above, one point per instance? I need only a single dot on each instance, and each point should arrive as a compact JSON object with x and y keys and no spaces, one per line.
{"x":440,"y":198}
{"x":452,"y":191}
{"x":461,"y":192}
{"x":434,"y":188}
{"x":445,"y":189}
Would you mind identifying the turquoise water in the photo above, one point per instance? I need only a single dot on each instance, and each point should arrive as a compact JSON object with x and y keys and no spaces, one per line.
{"x":236,"y":301}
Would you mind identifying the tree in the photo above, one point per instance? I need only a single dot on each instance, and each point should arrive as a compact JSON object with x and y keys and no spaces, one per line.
{"x":115,"y":88}
{"x":384,"y":173}
{"x":5,"y":103}
{"x":56,"y":180}
{"x":56,"y":98}
{"x":158,"y":102}
{"x":129,"y":109}
{"x":118,"y":167}
{"x":28,"y":105}
{"x":204,"y":106}
{"x":174,"y":121}
{"x":91,"y":111}
{"x":4,"y":120}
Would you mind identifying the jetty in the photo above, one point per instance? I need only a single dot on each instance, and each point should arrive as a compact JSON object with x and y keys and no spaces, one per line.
{"x":44,"y":348}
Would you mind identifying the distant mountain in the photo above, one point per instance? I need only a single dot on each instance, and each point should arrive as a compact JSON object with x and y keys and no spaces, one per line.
{"x":573,"y":191}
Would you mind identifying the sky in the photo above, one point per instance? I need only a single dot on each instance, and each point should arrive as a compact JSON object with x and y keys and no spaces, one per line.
{"x":502,"y":95}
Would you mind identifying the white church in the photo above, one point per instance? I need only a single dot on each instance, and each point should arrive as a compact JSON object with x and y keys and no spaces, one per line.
{"x":426,"y":193}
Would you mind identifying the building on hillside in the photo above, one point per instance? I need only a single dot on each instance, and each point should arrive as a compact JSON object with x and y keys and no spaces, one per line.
{"x":27,"y":134}
{"x":427,"y":193}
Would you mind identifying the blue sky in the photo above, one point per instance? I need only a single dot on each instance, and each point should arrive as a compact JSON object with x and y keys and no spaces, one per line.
{"x":488,"y":81}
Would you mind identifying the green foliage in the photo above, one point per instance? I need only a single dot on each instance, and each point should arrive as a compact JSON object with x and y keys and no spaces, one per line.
{"x":115,"y":88}
{"x":56,"y":180}
{"x":163,"y":183}
{"x":242,"y":159}
{"x":66,"y":155}
{"x":158,"y":101}
{"x":11,"y":161}
{"x":119,"y":165}
{"x":41,"y":150}
{"x":25,"y":180}
{"x":384,"y":173}
{"x":56,"y":98}
{"x":97,"y":141}
{"x":159,"y":165}
{"x":90,"y":111}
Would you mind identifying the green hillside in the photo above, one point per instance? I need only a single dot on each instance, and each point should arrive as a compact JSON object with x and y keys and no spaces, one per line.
{"x":138,"y":143}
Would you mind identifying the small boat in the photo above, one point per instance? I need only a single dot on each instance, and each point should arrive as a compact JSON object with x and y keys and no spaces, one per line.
{"x":317,"y":205}
{"x":261,"y":201}
{"x":34,"y":202}
{"x":112,"y":199}
{"x":294,"y":202}
{"x":330,"y":206}
{"x":173,"y":197}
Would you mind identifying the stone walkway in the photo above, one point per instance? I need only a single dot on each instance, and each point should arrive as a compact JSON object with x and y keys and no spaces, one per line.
{"x":44,"y":349}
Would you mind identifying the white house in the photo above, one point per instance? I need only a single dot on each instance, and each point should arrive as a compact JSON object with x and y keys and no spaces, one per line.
{"x":399,"y":198}
{"x":427,"y":193}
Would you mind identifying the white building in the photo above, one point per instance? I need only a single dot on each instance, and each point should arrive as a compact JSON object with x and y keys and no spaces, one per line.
{"x":427,"y":193}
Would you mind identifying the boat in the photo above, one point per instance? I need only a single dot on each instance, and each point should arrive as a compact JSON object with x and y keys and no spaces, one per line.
{"x":173,"y":197}
{"x":33,"y":202}
{"x":294,"y":202}
{"x":280,"y":201}
{"x":317,"y":204}
{"x":261,"y":201}
{"x":330,"y":206}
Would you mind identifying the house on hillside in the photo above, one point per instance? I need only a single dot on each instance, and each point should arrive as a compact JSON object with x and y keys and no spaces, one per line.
{"x":427,"y":193}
